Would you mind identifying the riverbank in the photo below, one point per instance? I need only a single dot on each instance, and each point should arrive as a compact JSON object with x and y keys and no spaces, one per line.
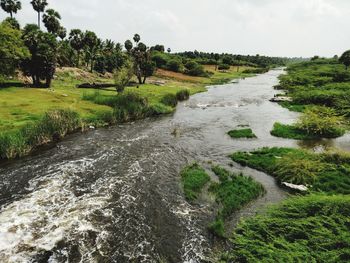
{"x":25,"y":109}
{"x":319,"y":90}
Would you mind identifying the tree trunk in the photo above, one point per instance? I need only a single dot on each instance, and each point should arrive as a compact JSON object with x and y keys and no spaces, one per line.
{"x":48,"y":82}
{"x":78,"y":59}
{"x":140,"y":79}
{"x":39,"y":20}
{"x":11,"y":15}
{"x":144,"y":80}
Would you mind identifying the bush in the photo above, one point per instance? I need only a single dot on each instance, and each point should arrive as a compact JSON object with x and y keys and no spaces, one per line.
{"x":322,"y":121}
{"x":123,"y":76}
{"x":169,"y":100}
{"x":174,"y":65}
{"x":224,"y":67}
{"x":183,"y":95}
{"x":194,"y":69}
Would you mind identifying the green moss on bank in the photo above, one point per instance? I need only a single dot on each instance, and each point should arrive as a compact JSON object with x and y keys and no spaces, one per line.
{"x":291,"y":132}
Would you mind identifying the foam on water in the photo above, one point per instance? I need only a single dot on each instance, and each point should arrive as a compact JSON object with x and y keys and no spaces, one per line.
{"x":51,"y":213}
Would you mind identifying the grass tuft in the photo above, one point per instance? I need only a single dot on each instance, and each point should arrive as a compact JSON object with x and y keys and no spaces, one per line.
{"x":242,"y":133}
{"x":193,"y":178}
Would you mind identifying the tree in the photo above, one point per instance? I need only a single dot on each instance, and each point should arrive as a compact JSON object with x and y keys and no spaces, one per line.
{"x":76,"y":40}
{"x":141,"y":54}
{"x":91,"y":43}
{"x":12,"y":49}
{"x":128,"y":45}
{"x":169,"y":50}
{"x":13,"y":23}
{"x":216,"y":57}
{"x":123,"y":76}
{"x":51,"y":21}
{"x":43,"y":49}
{"x":39,"y":6}
{"x":11,"y":6}
{"x":137,"y":38}
{"x":62,"y":33}
{"x":345,"y":59}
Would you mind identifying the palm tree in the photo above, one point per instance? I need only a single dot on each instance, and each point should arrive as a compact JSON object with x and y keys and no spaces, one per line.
{"x":76,"y":40}
{"x":51,"y":20}
{"x":62,"y":32}
{"x":39,"y":6}
{"x":11,"y":6}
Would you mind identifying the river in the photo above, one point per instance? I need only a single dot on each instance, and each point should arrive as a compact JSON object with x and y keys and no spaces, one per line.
{"x":114,"y":194}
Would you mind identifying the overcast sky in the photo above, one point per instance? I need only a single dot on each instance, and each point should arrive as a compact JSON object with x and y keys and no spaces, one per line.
{"x":266,"y":27}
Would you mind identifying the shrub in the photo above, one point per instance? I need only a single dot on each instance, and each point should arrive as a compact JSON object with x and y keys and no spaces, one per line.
{"x":183,"y":95}
{"x":174,"y":65}
{"x":194,"y":69}
{"x":322,"y":121}
{"x":169,"y":100}
{"x":224,"y":67}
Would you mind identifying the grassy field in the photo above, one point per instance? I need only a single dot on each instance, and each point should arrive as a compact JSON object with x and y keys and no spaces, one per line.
{"x":20,"y":105}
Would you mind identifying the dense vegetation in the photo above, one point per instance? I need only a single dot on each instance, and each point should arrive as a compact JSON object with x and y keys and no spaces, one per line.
{"x":314,"y":228}
{"x":242,"y":133}
{"x":193,"y":178}
{"x":327,"y":172}
{"x":232,"y":192}
{"x":321,"y":89}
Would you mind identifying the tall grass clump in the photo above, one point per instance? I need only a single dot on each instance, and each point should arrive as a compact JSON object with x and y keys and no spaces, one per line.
{"x":127,"y":106}
{"x":169,"y":100}
{"x":327,"y":172}
{"x":183,"y":94}
{"x":193,"y":178}
{"x":232,"y":192}
{"x":314,"y":228}
{"x":53,"y":126}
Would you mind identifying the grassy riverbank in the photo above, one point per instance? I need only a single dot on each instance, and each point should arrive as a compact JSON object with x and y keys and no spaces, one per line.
{"x":314,"y":228}
{"x":23,"y":108}
{"x":320,"y":90}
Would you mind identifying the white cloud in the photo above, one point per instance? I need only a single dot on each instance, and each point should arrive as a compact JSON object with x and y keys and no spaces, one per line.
{"x":272,"y":27}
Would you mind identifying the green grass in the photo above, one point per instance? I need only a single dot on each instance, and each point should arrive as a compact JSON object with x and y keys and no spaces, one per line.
{"x":54,"y":125}
{"x":314,"y":228}
{"x":242,"y":133}
{"x":292,"y":106}
{"x":322,"y":82}
{"x":232,"y":192}
{"x":291,"y":132}
{"x":327,"y":172}
{"x":193,"y":178}
{"x":22,"y":106}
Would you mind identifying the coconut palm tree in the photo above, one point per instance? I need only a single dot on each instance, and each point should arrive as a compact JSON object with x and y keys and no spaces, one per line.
{"x":51,"y":21}
{"x":39,"y":6}
{"x":11,"y":6}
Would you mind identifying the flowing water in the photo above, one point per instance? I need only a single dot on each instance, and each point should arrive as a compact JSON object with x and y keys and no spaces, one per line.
{"x":114,"y":195}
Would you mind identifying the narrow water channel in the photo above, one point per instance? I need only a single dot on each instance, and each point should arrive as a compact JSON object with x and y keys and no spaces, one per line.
{"x":114,"y":195}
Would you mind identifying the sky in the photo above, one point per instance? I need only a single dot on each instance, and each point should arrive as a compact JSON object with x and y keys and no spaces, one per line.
{"x":290,"y":28}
